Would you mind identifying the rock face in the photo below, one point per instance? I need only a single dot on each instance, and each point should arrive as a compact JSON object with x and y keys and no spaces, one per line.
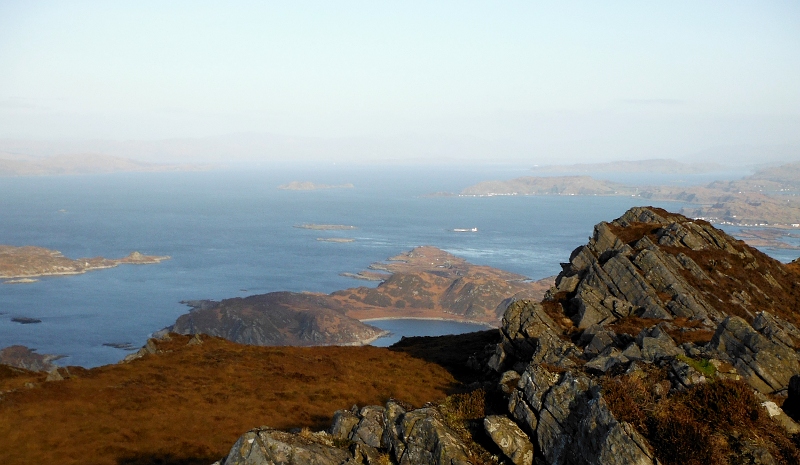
{"x":277,"y":318}
{"x":664,"y":341}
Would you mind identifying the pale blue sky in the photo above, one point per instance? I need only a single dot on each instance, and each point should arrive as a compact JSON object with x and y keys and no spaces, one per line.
{"x":576,"y":80}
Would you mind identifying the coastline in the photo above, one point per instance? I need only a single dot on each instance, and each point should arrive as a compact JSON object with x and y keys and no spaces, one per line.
{"x":474,"y":322}
{"x":105,"y":263}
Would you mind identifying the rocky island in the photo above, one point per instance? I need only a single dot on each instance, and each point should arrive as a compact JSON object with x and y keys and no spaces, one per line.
{"x":18,"y":264}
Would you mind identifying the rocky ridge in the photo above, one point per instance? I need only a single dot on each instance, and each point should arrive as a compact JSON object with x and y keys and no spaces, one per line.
{"x":664,"y":341}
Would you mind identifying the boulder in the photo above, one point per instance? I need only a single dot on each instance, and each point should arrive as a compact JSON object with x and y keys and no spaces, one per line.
{"x":369,"y":429}
{"x":510,"y":439}
{"x":266,"y":446}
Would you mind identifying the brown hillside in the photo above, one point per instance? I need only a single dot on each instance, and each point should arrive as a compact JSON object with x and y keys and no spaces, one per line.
{"x":190,"y":402}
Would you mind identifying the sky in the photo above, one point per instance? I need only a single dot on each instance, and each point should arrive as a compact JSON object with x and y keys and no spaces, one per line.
{"x":512,"y":80}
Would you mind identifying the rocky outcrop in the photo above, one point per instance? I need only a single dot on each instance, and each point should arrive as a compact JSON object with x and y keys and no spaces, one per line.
{"x":650,"y":289}
{"x":571,"y":423}
{"x":372,"y":435}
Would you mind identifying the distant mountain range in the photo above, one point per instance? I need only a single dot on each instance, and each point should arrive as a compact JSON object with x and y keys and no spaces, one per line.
{"x":90,"y":163}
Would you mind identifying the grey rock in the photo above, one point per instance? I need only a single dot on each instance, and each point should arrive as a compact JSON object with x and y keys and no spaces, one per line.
{"x":508,"y":381}
{"x":765,"y":364}
{"x":529,"y":334}
{"x":777,"y":329}
{"x":656,"y":344}
{"x":576,"y":427}
{"x":343,"y":423}
{"x":392,"y":439}
{"x":633,"y":352}
{"x":428,"y":441}
{"x":509,"y":438}
{"x":366,"y":455}
{"x":599,"y":342}
{"x":606,"y":361}
{"x":370,"y":428}
{"x":272,"y":447}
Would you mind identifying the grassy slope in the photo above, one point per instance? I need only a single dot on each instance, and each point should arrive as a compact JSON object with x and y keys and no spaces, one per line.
{"x":189,"y":404}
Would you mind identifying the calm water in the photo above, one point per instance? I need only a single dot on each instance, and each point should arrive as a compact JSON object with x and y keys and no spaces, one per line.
{"x":231,"y":234}
{"x":414,"y":327}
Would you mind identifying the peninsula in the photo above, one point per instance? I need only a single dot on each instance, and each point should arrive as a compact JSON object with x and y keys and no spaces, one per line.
{"x":770,"y":197}
{"x":28,"y":261}
{"x":424,"y":282}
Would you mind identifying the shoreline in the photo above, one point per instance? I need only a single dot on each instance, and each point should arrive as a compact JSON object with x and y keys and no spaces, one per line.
{"x":474,"y":322}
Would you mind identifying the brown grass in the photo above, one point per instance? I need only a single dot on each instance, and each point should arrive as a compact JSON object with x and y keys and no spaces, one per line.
{"x":190,"y":404}
{"x":706,"y":424}
{"x":632,"y":325}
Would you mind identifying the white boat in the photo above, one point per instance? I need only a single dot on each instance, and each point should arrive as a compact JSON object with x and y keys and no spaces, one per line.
{"x":465,"y":230}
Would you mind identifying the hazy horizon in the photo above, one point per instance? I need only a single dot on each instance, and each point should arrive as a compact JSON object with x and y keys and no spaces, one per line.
{"x":359,"y":81}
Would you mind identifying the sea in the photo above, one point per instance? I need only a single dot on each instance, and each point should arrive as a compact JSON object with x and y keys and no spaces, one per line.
{"x":232,"y":233}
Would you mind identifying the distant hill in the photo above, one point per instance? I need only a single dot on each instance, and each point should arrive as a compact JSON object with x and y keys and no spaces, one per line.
{"x":770,"y":197}
{"x":81,"y":164}
{"x":549,"y":185}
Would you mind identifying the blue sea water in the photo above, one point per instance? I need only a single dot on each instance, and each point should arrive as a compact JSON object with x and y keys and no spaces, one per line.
{"x":230,"y":233}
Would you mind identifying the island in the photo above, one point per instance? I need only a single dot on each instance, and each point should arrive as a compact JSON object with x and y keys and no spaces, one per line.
{"x":310,"y":186}
{"x":325,"y":227}
{"x":19,"y":264}
{"x":341,"y":240}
